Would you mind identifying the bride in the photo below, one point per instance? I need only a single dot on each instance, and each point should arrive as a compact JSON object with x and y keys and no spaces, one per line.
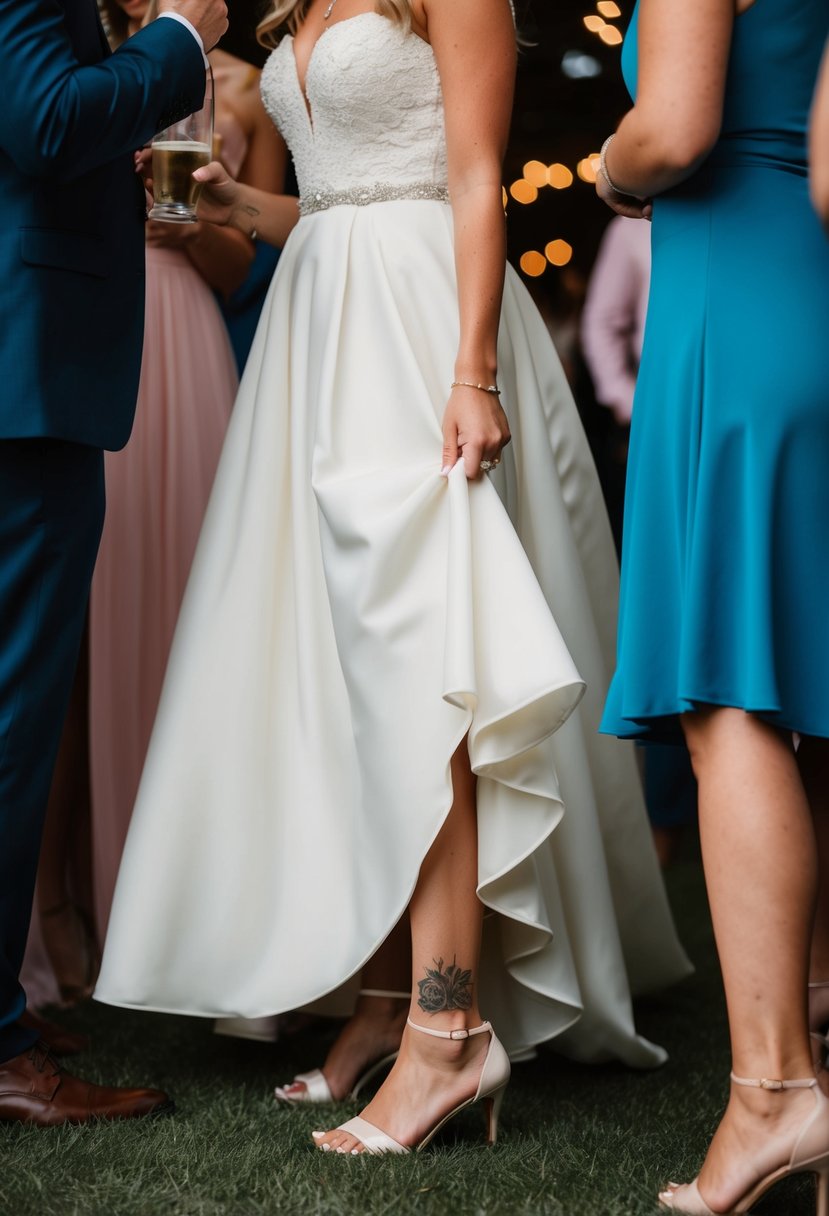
{"x":375,"y":703}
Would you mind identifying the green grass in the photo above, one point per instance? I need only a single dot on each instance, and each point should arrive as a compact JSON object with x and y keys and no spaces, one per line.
{"x":575,"y":1140}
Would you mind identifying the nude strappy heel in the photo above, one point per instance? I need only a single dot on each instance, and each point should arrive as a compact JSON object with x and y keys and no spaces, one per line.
{"x":491,"y":1089}
{"x":317,"y":1090}
{"x":809,"y":1155}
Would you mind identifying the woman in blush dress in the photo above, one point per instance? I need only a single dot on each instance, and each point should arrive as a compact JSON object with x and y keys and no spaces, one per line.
{"x":157,"y":490}
{"x":725,"y":581}
{"x":158,"y":486}
{"x":370,"y":706}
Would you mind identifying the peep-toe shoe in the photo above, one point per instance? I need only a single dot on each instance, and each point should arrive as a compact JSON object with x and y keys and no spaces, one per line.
{"x":810,"y":1154}
{"x":491,"y":1089}
{"x":317,"y":1090}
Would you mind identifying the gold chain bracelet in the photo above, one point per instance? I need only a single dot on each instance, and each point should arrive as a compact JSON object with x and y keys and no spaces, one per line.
{"x":484,"y":388}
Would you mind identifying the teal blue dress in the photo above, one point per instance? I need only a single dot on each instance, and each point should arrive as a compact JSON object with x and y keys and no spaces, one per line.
{"x":725,"y":568}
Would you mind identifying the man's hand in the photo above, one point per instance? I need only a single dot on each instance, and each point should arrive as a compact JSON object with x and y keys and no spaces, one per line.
{"x":208,"y":16}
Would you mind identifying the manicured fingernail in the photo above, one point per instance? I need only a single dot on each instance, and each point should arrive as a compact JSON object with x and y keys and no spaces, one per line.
{"x":446,"y":470}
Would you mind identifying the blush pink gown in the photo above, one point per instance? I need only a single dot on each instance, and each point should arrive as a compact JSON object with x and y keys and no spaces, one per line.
{"x":157,"y":492}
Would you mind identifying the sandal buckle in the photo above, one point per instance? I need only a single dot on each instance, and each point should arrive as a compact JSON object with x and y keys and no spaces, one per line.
{"x":458,"y":1034}
{"x":766,"y":1083}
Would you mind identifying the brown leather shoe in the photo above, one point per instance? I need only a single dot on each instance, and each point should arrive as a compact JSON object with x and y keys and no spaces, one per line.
{"x":61,"y":1041}
{"x":35,"y":1089}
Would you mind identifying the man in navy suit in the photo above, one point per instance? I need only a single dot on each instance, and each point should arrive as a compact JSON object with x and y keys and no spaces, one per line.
{"x":72,"y":115}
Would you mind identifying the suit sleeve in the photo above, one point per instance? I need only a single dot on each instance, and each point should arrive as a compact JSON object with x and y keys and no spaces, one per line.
{"x":59,"y":119}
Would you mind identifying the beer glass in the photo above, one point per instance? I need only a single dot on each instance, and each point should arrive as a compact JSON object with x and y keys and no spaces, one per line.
{"x":177,"y":152}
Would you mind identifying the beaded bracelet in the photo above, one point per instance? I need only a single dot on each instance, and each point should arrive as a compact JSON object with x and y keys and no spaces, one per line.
{"x":484,"y":388}
{"x":603,"y":165}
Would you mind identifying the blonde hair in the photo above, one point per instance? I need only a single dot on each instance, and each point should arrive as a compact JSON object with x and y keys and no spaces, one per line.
{"x":286,"y":16}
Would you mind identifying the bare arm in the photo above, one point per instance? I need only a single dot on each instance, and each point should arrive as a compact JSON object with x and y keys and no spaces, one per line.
{"x":222,"y":256}
{"x":819,"y":144}
{"x":270,"y":217}
{"x":475,"y":49}
{"x":676,"y":120}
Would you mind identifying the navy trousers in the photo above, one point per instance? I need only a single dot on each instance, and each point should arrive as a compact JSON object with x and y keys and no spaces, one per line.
{"x":51,"y":515}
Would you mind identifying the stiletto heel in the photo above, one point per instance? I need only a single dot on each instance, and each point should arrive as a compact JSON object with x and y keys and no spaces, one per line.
{"x":810,"y":1155}
{"x":317,"y":1090}
{"x":491,"y":1088}
{"x":492,"y":1109}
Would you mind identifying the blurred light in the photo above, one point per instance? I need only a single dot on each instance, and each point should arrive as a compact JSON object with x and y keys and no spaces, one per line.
{"x":536,"y":173}
{"x":504,"y":196}
{"x":579,"y":66}
{"x":594,"y":23}
{"x":588,"y":168}
{"x":559,"y":177}
{"x":609,"y":8}
{"x":533,"y":263}
{"x":559,"y":253}
{"x":610,"y":35}
{"x":523,"y":191}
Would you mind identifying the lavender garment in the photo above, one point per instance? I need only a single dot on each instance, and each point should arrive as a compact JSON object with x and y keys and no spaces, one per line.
{"x":613,"y":324}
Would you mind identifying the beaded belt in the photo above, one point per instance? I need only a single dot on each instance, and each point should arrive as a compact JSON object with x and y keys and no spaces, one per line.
{"x":363,"y":196}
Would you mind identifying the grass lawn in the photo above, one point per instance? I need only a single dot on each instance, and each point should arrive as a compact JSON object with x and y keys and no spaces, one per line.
{"x":575,"y":1140}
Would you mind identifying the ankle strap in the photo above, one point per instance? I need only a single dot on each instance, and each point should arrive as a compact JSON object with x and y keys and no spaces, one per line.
{"x":766,"y":1083}
{"x":450,"y":1034}
{"x":392,"y":996}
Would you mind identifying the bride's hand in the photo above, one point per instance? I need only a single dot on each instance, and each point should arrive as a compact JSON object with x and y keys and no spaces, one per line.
{"x":220,"y":195}
{"x":475,"y":428}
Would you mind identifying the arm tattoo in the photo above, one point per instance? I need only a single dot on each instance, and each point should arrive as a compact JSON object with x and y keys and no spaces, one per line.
{"x":447,"y":989}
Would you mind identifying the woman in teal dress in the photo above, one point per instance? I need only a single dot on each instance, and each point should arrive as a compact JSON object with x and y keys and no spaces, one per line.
{"x":724,"y":625}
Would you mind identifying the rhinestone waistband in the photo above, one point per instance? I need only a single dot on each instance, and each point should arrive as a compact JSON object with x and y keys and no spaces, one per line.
{"x":363,"y":196}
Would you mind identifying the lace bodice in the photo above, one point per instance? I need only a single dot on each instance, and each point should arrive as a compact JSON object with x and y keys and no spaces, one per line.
{"x":373,"y":118}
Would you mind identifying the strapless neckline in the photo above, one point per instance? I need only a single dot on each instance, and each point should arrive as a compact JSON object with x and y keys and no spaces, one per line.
{"x":326,"y":33}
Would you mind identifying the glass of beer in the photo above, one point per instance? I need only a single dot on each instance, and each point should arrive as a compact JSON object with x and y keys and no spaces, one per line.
{"x":177,"y":152}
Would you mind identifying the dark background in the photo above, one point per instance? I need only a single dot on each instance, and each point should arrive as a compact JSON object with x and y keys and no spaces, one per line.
{"x":557,"y":119}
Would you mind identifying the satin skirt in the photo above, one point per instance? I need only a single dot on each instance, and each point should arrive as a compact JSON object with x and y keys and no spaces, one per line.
{"x":351,"y":616}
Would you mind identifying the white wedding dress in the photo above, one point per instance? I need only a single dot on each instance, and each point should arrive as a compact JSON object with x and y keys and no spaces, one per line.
{"x":352,"y":614}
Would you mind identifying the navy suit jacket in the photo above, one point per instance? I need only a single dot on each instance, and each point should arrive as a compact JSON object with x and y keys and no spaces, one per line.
{"x":72,"y":114}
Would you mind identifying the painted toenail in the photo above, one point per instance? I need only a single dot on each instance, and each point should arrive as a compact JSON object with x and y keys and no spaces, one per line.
{"x":355,"y":1152}
{"x":326,"y":1148}
{"x":318,"y":1135}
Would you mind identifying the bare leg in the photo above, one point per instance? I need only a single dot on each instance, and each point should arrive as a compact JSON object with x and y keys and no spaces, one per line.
{"x":758,"y":850}
{"x":376,"y":1027}
{"x":432,"y":1076}
{"x":64,"y":879}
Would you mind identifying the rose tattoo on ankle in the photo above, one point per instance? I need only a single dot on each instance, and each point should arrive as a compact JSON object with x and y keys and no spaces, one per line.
{"x":443,"y":990}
